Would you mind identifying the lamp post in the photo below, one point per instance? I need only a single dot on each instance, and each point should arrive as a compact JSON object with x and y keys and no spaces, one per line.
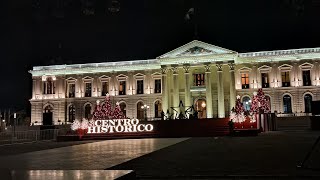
{"x":145,"y":108}
{"x":14,"y":124}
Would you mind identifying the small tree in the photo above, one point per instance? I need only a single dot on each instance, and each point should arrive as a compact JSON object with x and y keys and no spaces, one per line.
{"x":117,"y":113}
{"x":259,"y":101}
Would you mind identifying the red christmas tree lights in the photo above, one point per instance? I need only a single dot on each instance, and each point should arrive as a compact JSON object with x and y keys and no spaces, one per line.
{"x":106,"y":108}
{"x":117,"y":113}
{"x":259,"y":100}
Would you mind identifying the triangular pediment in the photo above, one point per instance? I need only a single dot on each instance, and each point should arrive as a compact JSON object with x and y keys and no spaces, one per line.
{"x":245,"y":69}
{"x":196,"y":48}
{"x":71,"y":79}
{"x":139,"y":75}
{"x":285,"y":67}
{"x":87,"y":78}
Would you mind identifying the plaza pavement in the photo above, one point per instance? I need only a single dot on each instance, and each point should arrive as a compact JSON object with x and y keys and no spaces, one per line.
{"x":90,"y":156}
{"x":272,"y":155}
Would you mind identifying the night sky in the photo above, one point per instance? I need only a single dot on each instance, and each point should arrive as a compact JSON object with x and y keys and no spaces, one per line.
{"x":42,"y":32}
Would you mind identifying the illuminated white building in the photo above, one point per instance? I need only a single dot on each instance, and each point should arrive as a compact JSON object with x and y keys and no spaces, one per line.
{"x":197,"y":73}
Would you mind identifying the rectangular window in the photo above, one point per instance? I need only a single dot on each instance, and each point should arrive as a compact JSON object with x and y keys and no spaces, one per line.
{"x":245,"y":80}
{"x":122,"y":88}
{"x":72,"y":90}
{"x":199,"y":79}
{"x":88,"y":90}
{"x":264,"y":80}
{"x":285,"y":77}
{"x":44,"y":88}
{"x":139,"y":86}
{"x":157,"y":86}
{"x":49,"y":87}
{"x":105,"y":88}
{"x":306,"y":78}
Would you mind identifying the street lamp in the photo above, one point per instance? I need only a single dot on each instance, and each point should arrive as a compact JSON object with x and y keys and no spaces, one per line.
{"x":145,"y":108}
{"x":14,"y":124}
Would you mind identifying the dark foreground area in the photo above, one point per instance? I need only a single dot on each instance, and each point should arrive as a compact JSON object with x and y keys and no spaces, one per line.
{"x":273,"y":155}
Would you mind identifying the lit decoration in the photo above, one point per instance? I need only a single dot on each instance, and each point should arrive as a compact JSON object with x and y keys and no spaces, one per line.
{"x":106,"y":108}
{"x":237,"y":113}
{"x":76,"y":125}
{"x":117,"y":113}
{"x":259,"y":101}
{"x":84,"y":124}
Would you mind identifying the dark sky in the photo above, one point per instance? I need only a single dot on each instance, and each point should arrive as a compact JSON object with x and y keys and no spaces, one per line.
{"x":39,"y":33}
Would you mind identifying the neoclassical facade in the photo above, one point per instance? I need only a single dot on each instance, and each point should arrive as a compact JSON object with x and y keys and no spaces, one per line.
{"x":199,"y":75}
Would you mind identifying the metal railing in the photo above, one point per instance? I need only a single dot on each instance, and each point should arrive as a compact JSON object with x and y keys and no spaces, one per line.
{"x":11,"y":137}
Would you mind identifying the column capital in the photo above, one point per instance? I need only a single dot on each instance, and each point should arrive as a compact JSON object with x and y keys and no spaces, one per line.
{"x":231,"y":66}
{"x":186,"y":68}
{"x":164,"y":70}
{"x":174,"y":70}
{"x":219,"y":66}
{"x":208,"y":68}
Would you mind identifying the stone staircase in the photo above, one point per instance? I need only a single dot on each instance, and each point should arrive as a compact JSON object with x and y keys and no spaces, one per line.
{"x":294,"y":123}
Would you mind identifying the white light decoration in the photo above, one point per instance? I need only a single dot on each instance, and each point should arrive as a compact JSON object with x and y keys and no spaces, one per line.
{"x":203,"y":104}
{"x":53,"y":78}
{"x":118,"y":126}
{"x":238,"y":96}
{"x":255,"y":93}
{"x":98,"y":102}
{"x":44,"y":78}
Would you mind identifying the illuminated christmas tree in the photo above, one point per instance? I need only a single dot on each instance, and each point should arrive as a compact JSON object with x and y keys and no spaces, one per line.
{"x":117,"y":113}
{"x":106,"y":108}
{"x":259,"y":100}
{"x":98,"y":113}
{"x":237,"y":113}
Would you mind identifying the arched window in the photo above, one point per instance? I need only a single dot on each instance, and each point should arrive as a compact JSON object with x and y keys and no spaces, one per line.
{"x":48,"y":109}
{"x":123,"y":107}
{"x":201,"y":108}
{"x":287,"y":108}
{"x":246,"y":101}
{"x":72,"y":113}
{"x":307,"y":103}
{"x":157,"y":109}
{"x":87,"y":111}
{"x":140,"y":113}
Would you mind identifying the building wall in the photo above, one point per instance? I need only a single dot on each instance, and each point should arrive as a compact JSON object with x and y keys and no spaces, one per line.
{"x":176,"y":70}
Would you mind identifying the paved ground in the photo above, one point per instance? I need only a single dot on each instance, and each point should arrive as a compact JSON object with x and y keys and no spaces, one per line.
{"x":268,"y":155}
{"x":91,"y":156}
{"x":13,"y":149}
{"x":275,"y":153}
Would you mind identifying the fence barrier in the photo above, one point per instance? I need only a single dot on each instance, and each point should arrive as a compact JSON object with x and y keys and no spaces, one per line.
{"x":12,"y":137}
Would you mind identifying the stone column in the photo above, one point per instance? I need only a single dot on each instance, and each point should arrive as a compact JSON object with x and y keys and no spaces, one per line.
{"x":176,"y":98}
{"x":187,"y":93}
{"x":164,"y":91}
{"x":221,"y":112}
{"x":232,"y":86}
{"x":208,"y":91}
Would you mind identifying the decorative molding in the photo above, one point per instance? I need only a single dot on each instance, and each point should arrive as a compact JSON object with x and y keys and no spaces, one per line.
{"x":186,"y":68}
{"x":244,"y":69}
{"x":164,"y":70}
{"x":265,"y":69}
{"x":196,"y":50}
{"x":219,"y":66}
{"x":285,"y":67}
{"x":231,"y":66}
{"x":175,"y":70}
{"x":306,"y":66}
{"x":280,"y":52}
{"x":208,"y":68}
